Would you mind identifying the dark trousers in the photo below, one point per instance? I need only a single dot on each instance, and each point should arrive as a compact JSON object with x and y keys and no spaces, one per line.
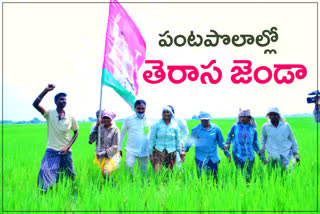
{"x":210,"y":168}
{"x":241,"y":164}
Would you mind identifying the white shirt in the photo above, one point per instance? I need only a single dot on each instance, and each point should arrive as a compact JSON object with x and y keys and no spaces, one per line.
{"x":183,"y":129}
{"x":138,"y":135}
{"x":278,"y":140}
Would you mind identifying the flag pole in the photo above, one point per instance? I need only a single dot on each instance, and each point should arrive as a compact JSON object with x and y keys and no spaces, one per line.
{"x":99,"y":118}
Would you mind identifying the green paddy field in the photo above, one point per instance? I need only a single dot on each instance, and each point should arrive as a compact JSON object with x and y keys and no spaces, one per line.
{"x":23,"y":147}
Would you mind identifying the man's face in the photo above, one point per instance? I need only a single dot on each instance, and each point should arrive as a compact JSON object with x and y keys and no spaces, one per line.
{"x":244,"y":119}
{"x":205,"y":123}
{"x":274,"y":117}
{"x":61,"y":102}
{"x":141,"y":108}
{"x":106,"y":121}
{"x":166,"y":115}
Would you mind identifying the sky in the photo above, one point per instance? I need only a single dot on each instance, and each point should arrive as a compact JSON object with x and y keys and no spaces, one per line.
{"x":63,"y":44}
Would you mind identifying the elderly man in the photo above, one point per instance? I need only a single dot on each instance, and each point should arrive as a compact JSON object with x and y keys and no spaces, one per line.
{"x":278,"y":139}
{"x":137,"y":126}
{"x":206,"y":137}
{"x":58,"y":154}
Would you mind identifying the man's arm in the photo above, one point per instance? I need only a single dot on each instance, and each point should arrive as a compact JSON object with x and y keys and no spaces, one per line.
{"x":295,"y":148}
{"x":229,"y":138}
{"x":188,"y":144}
{"x":263,"y":139}
{"x":111,"y":151}
{"x":37,"y":101}
{"x":177,"y":140}
{"x":93,"y":135}
{"x":67,"y":148}
{"x":255,"y":142}
{"x":184,"y":130}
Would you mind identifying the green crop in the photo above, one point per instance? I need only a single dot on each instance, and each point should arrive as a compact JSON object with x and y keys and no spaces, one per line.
{"x":179,"y":190}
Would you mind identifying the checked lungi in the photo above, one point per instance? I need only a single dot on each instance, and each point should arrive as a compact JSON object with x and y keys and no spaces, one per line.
{"x":52,"y":165}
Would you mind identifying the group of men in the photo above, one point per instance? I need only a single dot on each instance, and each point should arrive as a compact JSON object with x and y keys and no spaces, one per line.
{"x":276,"y":138}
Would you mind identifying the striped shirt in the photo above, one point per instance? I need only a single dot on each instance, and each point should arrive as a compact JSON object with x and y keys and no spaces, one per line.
{"x":245,"y":141}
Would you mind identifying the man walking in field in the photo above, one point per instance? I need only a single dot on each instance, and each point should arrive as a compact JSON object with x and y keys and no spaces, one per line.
{"x":206,"y":137}
{"x":278,"y":139}
{"x":58,"y":156}
{"x":137,"y":126}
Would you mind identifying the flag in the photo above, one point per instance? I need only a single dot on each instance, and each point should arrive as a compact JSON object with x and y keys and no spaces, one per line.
{"x":125,"y":51}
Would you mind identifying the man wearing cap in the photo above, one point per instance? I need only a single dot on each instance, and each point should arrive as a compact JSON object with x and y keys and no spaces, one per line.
{"x":137,"y":126}
{"x":278,"y":139}
{"x":244,"y":137}
{"x":206,"y":137}
{"x":58,"y":154}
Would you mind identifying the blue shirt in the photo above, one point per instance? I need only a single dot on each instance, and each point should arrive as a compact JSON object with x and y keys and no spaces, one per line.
{"x":245,"y":140}
{"x":206,"y":142}
{"x":165,"y":136}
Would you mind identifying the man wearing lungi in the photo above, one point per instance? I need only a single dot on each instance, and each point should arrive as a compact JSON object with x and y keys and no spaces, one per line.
{"x":57,"y":158}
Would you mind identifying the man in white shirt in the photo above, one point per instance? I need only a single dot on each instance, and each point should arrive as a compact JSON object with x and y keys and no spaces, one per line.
{"x":138,"y":127}
{"x":278,"y":139}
